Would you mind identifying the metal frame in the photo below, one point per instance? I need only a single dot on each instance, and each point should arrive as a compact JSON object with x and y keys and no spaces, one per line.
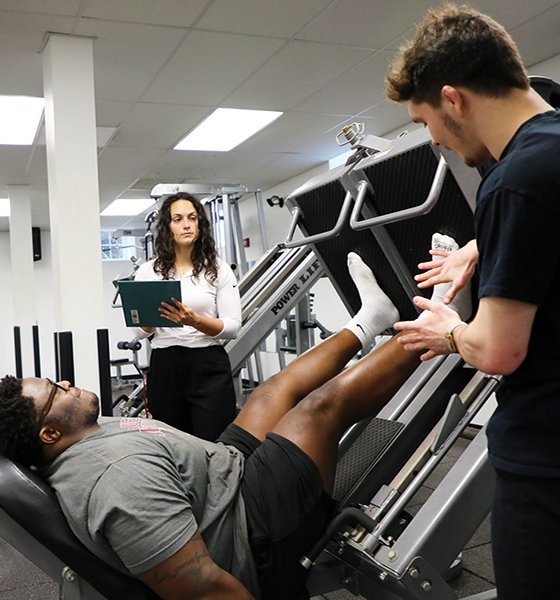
{"x":287,"y":279}
{"x":400,"y":215}
{"x":369,"y":562}
{"x":70,"y":584}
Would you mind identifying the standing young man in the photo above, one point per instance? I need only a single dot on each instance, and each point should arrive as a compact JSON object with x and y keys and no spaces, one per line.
{"x":463,"y":78}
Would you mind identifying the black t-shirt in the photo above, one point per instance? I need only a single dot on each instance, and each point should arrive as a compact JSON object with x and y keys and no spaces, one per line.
{"x":518,"y":236}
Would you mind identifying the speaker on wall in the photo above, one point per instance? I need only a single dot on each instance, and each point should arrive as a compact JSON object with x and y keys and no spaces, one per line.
{"x":36,"y":236}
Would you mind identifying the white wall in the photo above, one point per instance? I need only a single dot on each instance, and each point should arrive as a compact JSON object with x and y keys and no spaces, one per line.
{"x":45,"y":310}
{"x":44,"y":307}
{"x":7,"y":362}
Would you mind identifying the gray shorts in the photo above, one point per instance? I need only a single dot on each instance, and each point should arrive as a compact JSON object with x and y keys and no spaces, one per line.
{"x":287,"y":509}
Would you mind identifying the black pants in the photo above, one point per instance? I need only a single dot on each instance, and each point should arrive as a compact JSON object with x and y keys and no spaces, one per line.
{"x":287,"y":510}
{"x":525,"y":536}
{"x":192,"y":389}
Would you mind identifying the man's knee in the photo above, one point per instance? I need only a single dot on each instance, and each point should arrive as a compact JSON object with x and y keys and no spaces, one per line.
{"x":323,"y":402}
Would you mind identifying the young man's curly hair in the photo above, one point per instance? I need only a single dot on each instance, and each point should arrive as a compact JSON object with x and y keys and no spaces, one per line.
{"x":204,"y":256}
{"x":19,"y":439}
{"x":458,"y":46}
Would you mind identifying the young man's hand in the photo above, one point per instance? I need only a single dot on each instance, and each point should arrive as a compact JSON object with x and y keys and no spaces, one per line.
{"x":456,"y":267}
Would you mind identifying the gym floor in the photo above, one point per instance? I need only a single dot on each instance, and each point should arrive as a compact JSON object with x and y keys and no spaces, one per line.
{"x":21,"y":580}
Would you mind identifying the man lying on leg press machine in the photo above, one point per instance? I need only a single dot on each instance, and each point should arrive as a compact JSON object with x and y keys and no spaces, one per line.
{"x":197,"y":519}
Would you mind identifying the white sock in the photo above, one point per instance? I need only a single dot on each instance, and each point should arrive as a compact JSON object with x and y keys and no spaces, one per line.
{"x":442,"y":242}
{"x":462,"y":302}
{"x":377,"y":312}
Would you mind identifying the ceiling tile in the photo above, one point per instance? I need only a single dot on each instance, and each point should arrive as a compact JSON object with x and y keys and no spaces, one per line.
{"x":157,"y":125}
{"x":37,"y":165}
{"x":385,"y":117}
{"x":114,"y":188}
{"x":323,"y":147}
{"x":111,"y":113}
{"x":176,"y":166}
{"x":208,"y":66}
{"x":104,"y":134}
{"x":21,"y":37}
{"x":177,"y":13}
{"x":292,"y":75}
{"x":127,"y":57}
{"x":348,"y":94}
{"x":261,"y":17}
{"x":242,"y":168}
{"x":52,"y":7}
{"x":364,"y":23}
{"x":288,"y":166}
{"x":546,"y":28}
{"x":125,"y":163}
{"x":511,"y":13}
{"x":290,"y":131}
{"x":14,"y":160}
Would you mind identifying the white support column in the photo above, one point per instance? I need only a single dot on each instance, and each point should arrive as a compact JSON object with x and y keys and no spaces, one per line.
{"x":74,"y":197}
{"x":23,"y":285}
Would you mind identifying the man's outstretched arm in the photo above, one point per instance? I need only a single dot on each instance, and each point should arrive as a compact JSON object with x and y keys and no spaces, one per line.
{"x":495,"y":342}
{"x":191,"y":573}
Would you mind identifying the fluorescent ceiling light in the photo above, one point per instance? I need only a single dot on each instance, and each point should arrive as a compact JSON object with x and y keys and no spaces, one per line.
{"x":19,"y":119}
{"x":127,"y":207}
{"x":4,"y":207}
{"x":226,"y":128}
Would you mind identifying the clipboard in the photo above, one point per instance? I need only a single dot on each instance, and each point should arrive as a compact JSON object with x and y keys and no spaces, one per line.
{"x":141,"y":301}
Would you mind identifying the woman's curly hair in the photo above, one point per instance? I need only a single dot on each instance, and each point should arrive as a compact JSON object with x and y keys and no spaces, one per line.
{"x":204,"y":256}
{"x":19,"y":439}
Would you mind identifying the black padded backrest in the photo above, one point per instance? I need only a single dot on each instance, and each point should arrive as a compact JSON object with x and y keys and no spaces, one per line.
{"x":547,"y":88}
{"x":321,"y":207}
{"x":30,"y":501}
{"x":399,"y":182}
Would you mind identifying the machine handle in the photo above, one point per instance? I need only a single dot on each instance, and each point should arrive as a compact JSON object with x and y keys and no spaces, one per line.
{"x":318,"y":237}
{"x":347,"y":515}
{"x":407,"y":213}
{"x":133,"y":345}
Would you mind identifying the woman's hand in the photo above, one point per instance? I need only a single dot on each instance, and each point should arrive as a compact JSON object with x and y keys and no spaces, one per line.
{"x":178,"y":312}
{"x":185,"y":315}
{"x":456,"y":267}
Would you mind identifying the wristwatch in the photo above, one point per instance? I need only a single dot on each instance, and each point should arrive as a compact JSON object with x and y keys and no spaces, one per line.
{"x":449,"y":336}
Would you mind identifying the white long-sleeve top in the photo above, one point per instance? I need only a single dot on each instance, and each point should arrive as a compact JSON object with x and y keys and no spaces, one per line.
{"x":219,"y":300}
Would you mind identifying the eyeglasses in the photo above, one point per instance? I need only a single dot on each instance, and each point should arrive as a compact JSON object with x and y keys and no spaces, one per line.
{"x":50,"y":400}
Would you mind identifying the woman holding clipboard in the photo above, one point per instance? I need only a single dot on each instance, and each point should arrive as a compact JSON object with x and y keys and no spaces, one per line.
{"x":190,"y":385}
